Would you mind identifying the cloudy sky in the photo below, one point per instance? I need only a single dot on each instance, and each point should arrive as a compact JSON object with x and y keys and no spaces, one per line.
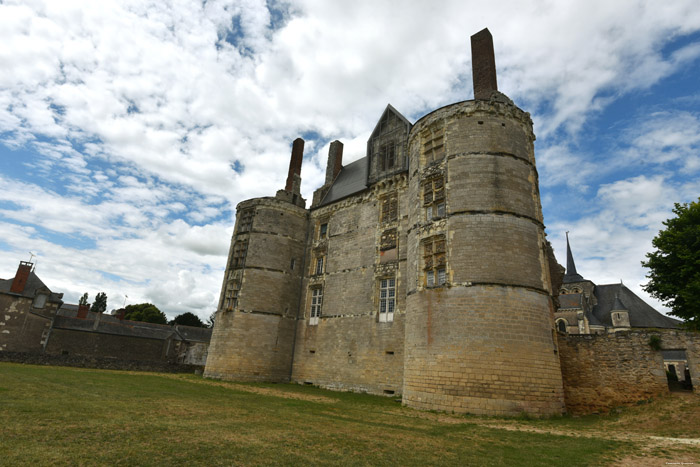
{"x":130,"y":130}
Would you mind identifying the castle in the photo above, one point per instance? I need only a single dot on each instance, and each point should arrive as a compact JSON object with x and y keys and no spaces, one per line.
{"x":421,"y":269}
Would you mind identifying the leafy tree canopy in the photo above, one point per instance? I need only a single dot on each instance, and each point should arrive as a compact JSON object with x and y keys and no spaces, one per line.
{"x":188,"y":319}
{"x":84,"y":300}
{"x":674,"y":275}
{"x":146,"y":312}
{"x":100,"y":303}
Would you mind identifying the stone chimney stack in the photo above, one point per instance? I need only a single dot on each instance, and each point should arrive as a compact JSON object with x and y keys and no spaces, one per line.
{"x":21,"y":277}
{"x":483,"y":65}
{"x":335,"y":161}
{"x":294,"y":175}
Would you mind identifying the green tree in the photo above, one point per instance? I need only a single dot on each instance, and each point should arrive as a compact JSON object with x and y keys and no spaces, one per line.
{"x":84,"y":300}
{"x":188,"y":319}
{"x":146,"y":312}
{"x":674,"y":267}
{"x":100,"y":303}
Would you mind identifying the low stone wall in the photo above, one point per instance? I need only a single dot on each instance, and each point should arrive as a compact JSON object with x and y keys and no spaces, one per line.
{"x":602,"y":371}
{"x":97,"y":362}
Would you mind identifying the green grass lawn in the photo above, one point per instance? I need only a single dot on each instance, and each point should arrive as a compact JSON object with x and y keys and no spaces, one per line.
{"x":70,"y":416}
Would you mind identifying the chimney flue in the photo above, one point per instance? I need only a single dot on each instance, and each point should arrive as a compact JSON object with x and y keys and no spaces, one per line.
{"x":295,"y":165}
{"x":335,"y":161}
{"x":20,"y":280}
{"x":483,"y":65}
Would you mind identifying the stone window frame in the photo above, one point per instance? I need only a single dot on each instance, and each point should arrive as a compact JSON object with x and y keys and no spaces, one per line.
{"x":323,"y":230}
{"x":233,"y":289}
{"x":435,"y":261}
{"x":387,"y":153}
{"x":245,"y":220}
{"x":40,"y":301}
{"x":319,"y":265}
{"x":558,"y":324}
{"x":386,"y":299}
{"x":433,"y":145}
{"x":316,"y":305}
{"x":434,"y":199}
{"x":240,"y":251}
{"x":389,"y":208}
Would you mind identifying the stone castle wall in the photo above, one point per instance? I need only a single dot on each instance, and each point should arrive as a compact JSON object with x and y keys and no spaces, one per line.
{"x":254,"y":334}
{"x":349,"y":348}
{"x":495,"y":304}
{"x":24,"y":328}
{"x":602,"y":371}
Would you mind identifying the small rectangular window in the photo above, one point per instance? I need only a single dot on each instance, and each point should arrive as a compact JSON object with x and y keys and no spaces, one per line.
{"x":239,"y":253}
{"x":292,"y":264}
{"x":245,"y":221}
{"x":435,"y":261}
{"x":322,"y":231}
{"x":319,"y":265}
{"x":433,"y":146}
{"x":389,"y":208}
{"x":387,"y":299}
{"x":316,"y":301}
{"x":434,"y":198}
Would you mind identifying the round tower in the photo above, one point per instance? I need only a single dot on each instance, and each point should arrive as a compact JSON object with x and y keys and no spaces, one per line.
{"x":479,"y":329}
{"x":253,"y":336}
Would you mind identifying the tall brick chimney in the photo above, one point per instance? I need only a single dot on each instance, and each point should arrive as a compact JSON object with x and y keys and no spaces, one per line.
{"x":83,"y":311}
{"x":335,"y":161}
{"x":483,"y":65}
{"x":294,"y":173}
{"x":21,"y":277}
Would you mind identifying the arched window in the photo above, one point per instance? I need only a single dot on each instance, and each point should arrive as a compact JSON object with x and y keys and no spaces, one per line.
{"x":561,"y":325}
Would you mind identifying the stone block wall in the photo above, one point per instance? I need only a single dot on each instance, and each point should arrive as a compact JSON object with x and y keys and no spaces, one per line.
{"x":349,"y":348}
{"x":253,"y":339}
{"x":93,"y":344}
{"x":483,"y":350}
{"x":601,"y":371}
{"x":24,"y":328}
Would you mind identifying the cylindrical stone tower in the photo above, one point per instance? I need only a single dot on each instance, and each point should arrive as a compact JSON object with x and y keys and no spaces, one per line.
{"x":479,"y":330}
{"x":253,"y":336}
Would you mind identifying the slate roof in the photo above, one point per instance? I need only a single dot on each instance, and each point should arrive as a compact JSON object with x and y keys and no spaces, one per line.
{"x":641,"y":314}
{"x":351,"y":179}
{"x":32,"y":286}
{"x":572,"y":300}
{"x":66,"y":319}
{"x":571,"y":274}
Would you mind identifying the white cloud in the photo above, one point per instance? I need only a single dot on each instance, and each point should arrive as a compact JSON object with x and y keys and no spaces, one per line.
{"x":148,"y":127}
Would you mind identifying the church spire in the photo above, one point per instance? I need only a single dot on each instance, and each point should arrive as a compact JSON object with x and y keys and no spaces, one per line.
{"x":571,"y":274}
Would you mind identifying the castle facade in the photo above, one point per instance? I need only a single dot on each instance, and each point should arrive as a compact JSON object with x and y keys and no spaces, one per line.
{"x":421,"y":269}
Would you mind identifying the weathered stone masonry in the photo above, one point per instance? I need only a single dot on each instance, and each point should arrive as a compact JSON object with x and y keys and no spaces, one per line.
{"x":421,"y":269}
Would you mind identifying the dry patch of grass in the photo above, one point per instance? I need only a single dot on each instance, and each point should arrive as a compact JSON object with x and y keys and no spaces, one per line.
{"x":62,"y":416}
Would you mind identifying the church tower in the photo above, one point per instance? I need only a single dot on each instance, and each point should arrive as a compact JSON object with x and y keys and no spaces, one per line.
{"x":479,"y":327}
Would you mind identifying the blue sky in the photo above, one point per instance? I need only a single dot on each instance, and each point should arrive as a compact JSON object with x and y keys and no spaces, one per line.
{"x":130,"y":130}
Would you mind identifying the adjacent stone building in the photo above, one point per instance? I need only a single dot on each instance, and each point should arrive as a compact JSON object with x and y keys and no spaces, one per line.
{"x":35,"y":321}
{"x":421,"y":269}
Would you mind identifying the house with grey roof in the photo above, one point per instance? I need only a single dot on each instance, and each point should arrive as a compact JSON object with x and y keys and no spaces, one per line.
{"x":27,"y":310}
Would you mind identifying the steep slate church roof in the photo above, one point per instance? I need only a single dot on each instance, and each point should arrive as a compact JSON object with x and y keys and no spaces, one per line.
{"x":571,"y":274}
{"x":609,"y":298}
